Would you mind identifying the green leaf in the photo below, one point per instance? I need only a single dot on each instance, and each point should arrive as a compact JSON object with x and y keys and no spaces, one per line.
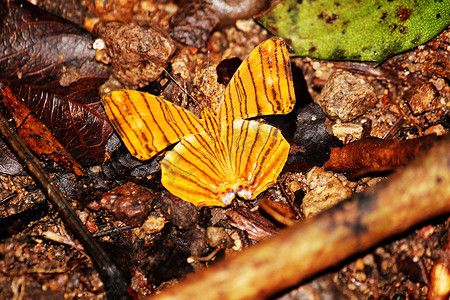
{"x":366,"y":30}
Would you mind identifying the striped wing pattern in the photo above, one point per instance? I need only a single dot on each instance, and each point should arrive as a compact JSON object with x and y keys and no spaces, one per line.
{"x":196,"y":172}
{"x":220,"y":155}
{"x":262,"y":85}
{"x":148,"y":124}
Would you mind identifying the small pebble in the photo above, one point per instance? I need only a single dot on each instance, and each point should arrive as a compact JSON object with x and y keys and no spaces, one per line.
{"x":359,"y":264}
{"x":346,"y":96}
{"x":153,"y":224}
{"x":342,"y":130}
{"x":323,"y":191}
{"x":130,"y":203}
{"x":422,"y":98}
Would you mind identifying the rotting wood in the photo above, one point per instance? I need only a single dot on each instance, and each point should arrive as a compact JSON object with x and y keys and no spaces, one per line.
{"x":411,"y":196}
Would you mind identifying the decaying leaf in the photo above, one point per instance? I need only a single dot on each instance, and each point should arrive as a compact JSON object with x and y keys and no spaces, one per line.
{"x":73,"y":114}
{"x":356,"y":30}
{"x":49,"y":52}
{"x":279,"y":211}
{"x":256,"y":226}
{"x":371,"y":154}
{"x":193,"y":23}
{"x":36,"y":135}
{"x":36,"y":47}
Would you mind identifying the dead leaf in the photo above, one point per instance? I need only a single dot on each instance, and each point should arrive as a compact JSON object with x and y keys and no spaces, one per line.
{"x":257,"y":227}
{"x":36,"y":135}
{"x":36,"y":47}
{"x":372,"y":154}
{"x":73,"y":114}
{"x":193,"y":24}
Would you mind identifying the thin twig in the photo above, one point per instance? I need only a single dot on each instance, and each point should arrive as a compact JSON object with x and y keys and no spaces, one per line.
{"x":8,"y":197}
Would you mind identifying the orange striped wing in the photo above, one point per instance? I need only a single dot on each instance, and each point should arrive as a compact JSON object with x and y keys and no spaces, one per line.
{"x":262,"y":85}
{"x":197,"y":171}
{"x":148,"y":124}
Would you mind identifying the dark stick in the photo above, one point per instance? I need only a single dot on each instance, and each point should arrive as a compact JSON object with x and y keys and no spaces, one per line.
{"x":113,"y":280}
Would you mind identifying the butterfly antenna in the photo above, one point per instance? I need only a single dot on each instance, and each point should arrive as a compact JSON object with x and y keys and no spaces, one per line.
{"x":181,"y":87}
{"x":207,"y":72}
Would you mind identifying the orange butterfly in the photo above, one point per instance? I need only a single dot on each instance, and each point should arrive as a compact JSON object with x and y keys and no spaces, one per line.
{"x":221,"y":154}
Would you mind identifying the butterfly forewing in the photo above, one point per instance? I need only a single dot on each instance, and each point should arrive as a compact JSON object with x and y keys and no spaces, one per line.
{"x":262,"y":85}
{"x":148,"y":124}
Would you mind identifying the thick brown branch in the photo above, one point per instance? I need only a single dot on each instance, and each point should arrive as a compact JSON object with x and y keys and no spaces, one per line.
{"x":417,"y":193}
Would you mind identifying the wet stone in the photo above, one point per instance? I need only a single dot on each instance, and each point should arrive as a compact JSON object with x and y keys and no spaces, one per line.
{"x":130,"y":203}
{"x":346,"y":96}
{"x":138,"y":53}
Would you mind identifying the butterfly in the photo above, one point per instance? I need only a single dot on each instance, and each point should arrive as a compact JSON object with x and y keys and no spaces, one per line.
{"x":221,"y":154}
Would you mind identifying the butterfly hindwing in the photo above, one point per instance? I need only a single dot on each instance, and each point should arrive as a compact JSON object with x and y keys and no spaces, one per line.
{"x":146,"y":123}
{"x":258,"y":153}
{"x":262,"y":85}
{"x":193,"y":171}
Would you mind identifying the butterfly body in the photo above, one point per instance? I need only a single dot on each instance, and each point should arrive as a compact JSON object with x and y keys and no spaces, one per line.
{"x":219,"y":155}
